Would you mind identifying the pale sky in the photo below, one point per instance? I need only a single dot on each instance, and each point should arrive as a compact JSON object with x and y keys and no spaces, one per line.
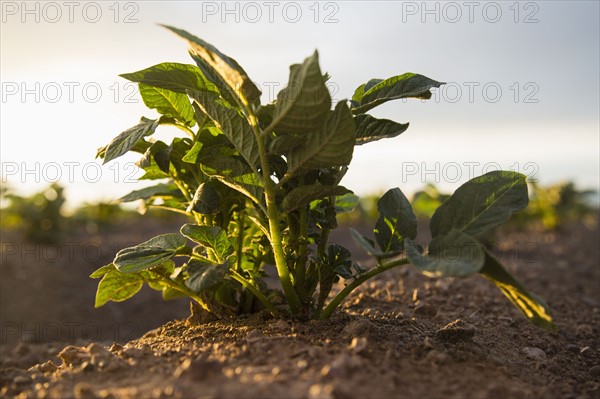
{"x":522,"y":93}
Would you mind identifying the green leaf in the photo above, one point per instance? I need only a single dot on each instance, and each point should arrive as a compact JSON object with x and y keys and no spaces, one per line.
{"x":532,"y":306}
{"x":369,"y":246}
{"x":211,"y":237}
{"x":281,"y":145}
{"x":304,"y":104}
{"x":128,"y":139}
{"x":370,"y":129}
{"x":103,"y":270}
{"x":377,"y":92}
{"x":158,"y":154}
{"x":481,"y":203}
{"x":331,"y":145}
{"x":206,"y":199}
{"x":192,"y":155}
{"x":117,"y":287}
{"x":226,"y":67}
{"x":233,"y":125}
{"x":304,"y":195}
{"x":346,"y":203}
{"x":249,"y":185}
{"x":396,"y":221}
{"x":453,"y":255}
{"x":172,"y":76}
{"x":149,"y":192}
{"x":206,"y":276}
{"x":231,"y":166}
{"x":149,"y":254}
{"x":168,"y":103}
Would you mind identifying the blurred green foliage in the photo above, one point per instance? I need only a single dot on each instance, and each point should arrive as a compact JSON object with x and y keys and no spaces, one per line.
{"x":39,"y":216}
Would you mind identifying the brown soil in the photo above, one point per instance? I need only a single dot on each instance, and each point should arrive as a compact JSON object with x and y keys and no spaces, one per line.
{"x":402,"y":335}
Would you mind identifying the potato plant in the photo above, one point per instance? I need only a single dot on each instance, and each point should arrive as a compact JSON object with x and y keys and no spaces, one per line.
{"x":261,"y":186}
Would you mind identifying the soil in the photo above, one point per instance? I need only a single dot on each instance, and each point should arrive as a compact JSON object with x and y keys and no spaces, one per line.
{"x":402,"y":335}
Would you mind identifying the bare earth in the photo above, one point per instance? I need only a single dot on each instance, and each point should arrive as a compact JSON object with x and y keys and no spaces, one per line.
{"x":404,"y":335}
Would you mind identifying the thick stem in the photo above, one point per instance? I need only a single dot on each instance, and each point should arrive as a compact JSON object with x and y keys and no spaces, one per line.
{"x":273,"y":216}
{"x":335,"y":302}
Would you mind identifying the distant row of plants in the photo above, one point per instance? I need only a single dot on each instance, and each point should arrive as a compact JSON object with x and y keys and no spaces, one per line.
{"x":42,"y":219}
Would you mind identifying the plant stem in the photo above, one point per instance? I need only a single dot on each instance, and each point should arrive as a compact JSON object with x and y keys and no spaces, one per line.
{"x":261,"y":297}
{"x":354,"y":284}
{"x":273,"y":216}
{"x":186,"y":129}
{"x":184,"y":290}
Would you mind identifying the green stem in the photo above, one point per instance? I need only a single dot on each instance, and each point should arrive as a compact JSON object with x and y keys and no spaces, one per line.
{"x":186,"y":129}
{"x":335,"y":302}
{"x":186,"y":291}
{"x":273,"y":216}
{"x":261,"y":297}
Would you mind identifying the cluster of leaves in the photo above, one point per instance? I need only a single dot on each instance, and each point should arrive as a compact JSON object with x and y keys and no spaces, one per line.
{"x":39,"y":215}
{"x":261,"y":184}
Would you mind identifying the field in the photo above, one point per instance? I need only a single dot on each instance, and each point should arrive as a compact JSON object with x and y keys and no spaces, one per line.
{"x":402,"y":335}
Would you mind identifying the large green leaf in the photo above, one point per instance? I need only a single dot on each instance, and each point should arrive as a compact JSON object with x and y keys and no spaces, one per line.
{"x":376,"y":91}
{"x":211,"y":237}
{"x":304,"y":195}
{"x":226,"y":67}
{"x":331,"y":145}
{"x":204,"y":276}
{"x":117,"y":287}
{"x":532,"y":306}
{"x":170,"y":103}
{"x":303,"y":105}
{"x":370,"y":129}
{"x":481,"y":203}
{"x":453,"y":255}
{"x":172,"y":76}
{"x":233,"y":125}
{"x":129,"y":138}
{"x":149,"y":192}
{"x":149,"y":254}
{"x":396,"y":221}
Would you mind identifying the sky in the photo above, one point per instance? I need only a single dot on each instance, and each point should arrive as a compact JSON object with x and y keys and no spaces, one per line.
{"x":522,"y":88}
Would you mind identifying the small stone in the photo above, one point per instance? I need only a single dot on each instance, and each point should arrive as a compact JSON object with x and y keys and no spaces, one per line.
{"x":456,"y":331}
{"x":280,"y":325}
{"x":115,"y":347}
{"x":586,"y":351}
{"x":425,"y":310}
{"x":535,"y":353}
{"x":47,"y":367}
{"x":594,"y":371}
{"x":73,"y":355}
{"x":359,"y":327}
{"x":358,"y":344}
{"x":427,"y":343}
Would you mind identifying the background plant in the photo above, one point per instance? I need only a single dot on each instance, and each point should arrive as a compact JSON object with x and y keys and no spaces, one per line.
{"x":261,"y":184}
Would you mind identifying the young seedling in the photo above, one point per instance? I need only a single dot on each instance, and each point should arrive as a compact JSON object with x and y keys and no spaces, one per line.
{"x":261,"y":186}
